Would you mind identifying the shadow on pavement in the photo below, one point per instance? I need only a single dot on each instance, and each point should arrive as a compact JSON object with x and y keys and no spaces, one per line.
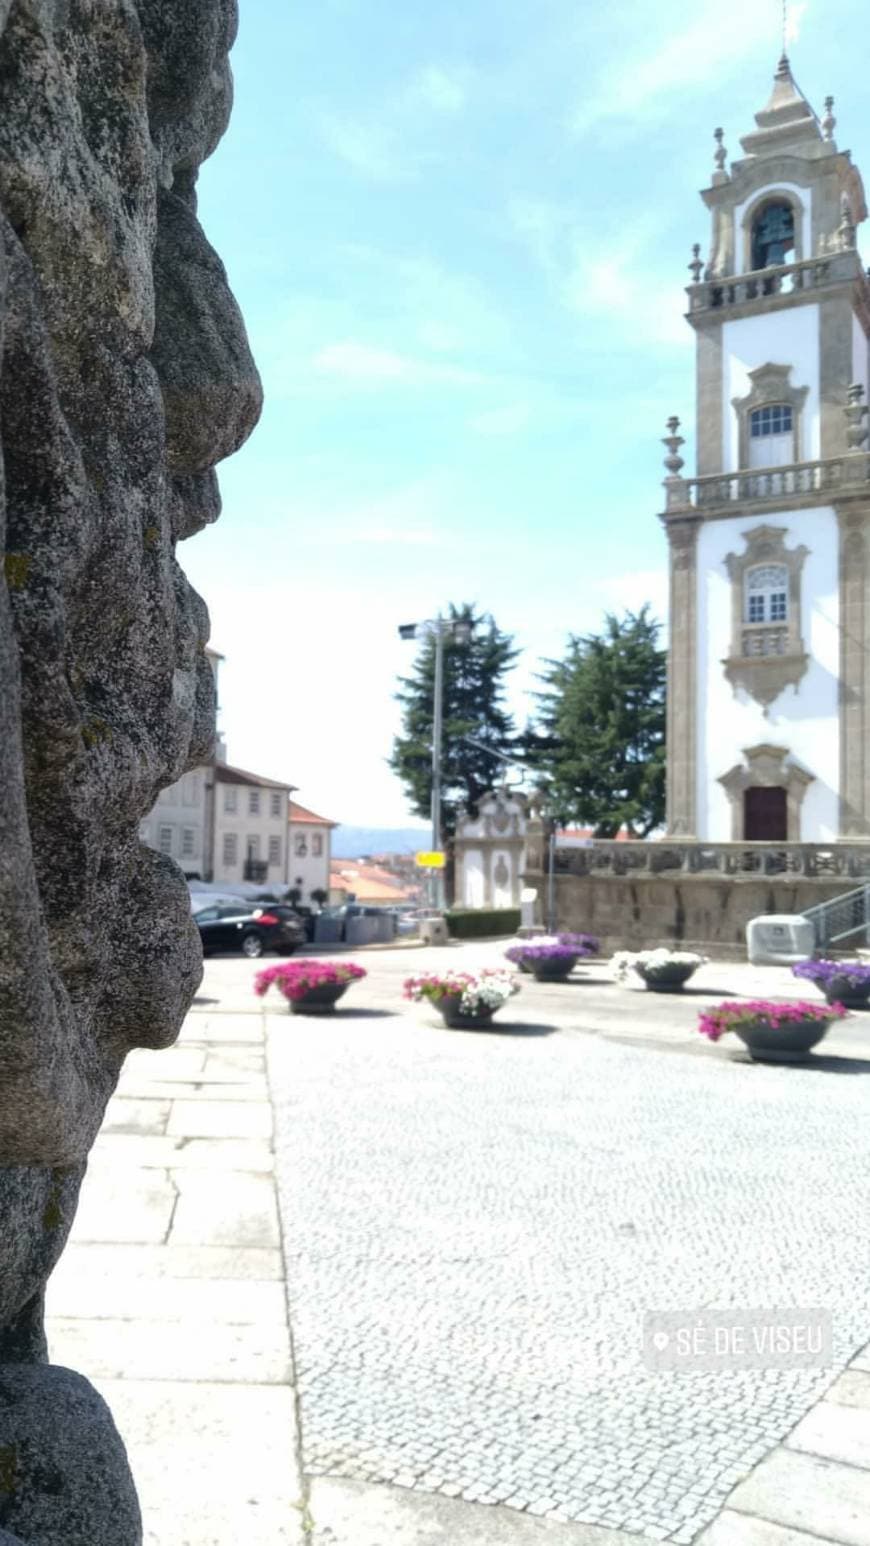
{"x":513,"y":1029}
{"x":366,"y":1014}
{"x":815,"y":1063}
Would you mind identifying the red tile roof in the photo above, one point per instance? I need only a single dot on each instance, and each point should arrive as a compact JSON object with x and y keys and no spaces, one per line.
{"x":306,"y":818}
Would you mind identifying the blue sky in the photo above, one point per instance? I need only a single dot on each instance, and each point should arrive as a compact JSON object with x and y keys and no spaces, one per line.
{"x":459,"y":235}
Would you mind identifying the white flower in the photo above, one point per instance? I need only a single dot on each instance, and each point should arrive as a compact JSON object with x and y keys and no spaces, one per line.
{"x":624,"y":962}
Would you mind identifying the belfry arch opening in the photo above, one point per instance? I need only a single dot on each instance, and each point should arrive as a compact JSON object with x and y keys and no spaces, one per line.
{"x":773,"y":234}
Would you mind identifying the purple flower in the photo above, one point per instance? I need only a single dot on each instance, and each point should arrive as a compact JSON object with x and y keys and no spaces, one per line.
{"x":854,"y":974}
{"x":533,"y":952}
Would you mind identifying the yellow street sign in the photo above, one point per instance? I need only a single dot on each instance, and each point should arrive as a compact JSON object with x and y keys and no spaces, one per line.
{"x":431,"y":861}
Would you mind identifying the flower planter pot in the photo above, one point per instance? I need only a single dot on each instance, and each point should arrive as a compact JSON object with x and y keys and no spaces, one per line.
{"x":787,"y":1044}
{"x":318,"y":1001}
{"x":556,"y":970}
{"x":456,"y":1019}
{"x":666,"y":979}
{"x":852,"y":995}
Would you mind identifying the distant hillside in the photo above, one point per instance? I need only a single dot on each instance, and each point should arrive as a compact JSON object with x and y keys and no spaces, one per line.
{"x":353,"y":842}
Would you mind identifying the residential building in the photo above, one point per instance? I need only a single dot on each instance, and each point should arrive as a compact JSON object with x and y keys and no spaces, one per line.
{"x":768,"y":703}
{"x":250,"y":826}
{"x":309,"y":851}
{"x":177,"y":823}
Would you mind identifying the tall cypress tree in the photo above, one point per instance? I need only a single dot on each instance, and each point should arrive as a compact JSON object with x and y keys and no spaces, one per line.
{"x":601,"y":740}
{"x":474,"y":712}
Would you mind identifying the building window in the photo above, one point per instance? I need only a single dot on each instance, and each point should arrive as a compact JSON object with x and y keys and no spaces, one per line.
{"x":773,"y":235}
{"x":253,"y":802}
{"x":317,"y":846}
{"x":276,"y":802}
{"x":274,"y":850}
{"x":231,"y":849}
{"x":253,"y":847}
{"x":164,"y":839}
{"x":188,"y":843}
{"x":300,"y":845}
{"x":231,"y":801}
{"x":771,"y":436}
{"x":767,"y":594}
{"x":190,"y":789}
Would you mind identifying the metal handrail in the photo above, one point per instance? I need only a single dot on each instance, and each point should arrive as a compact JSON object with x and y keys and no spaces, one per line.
{"x":828,"y":918}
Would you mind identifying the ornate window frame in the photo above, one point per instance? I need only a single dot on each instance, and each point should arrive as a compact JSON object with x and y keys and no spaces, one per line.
{"x":766,"y":767}
{"x":765,"y":658}
{"x":770,"y":386}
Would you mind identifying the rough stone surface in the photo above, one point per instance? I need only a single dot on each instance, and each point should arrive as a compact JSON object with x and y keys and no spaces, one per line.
{"x":65,"y":1479}
{"x":125,"y":376}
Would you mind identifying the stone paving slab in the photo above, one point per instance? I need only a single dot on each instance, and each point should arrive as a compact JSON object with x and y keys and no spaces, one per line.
{"x":125,"y":1206}
{"x":803,"y":1492}
{"x":172,"y":1350}
{"x":125,"y":1115}
{"x":84,"y":1295}
{"x":219,"y":1119}
{"x":160,"y":1152}
{"x":835,"y":1432}
{"x":233,"y":1209}
{"x":347,"y":1513}
{"x":252,"y":1088}
{"x":732,"y":1529}
{"x":173,"y":1261}
{"x":851,"y":1389}
{"x":215,"y":1465}
{"x":246,"y":1027}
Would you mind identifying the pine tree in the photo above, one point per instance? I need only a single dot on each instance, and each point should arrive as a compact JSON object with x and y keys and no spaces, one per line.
{"x":600,"y":744}
{"x":474,"y":712}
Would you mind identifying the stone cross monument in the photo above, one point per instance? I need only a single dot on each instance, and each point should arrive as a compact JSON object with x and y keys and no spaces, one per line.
{"x":125,"y":376}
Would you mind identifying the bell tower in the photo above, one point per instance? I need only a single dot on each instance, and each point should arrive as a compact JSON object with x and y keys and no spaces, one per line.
{"x":768,"y":726}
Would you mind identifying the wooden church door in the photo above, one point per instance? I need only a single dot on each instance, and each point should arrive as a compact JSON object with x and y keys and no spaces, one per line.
{"x":765,"y":816}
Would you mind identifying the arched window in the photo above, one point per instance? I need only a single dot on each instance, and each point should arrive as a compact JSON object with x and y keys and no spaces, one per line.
{"x":773,"y":234}
{"x":766,"y":594}
{"x":771,"y":435}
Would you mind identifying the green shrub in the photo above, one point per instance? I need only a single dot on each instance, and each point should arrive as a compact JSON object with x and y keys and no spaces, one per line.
{"x":478,"y":922}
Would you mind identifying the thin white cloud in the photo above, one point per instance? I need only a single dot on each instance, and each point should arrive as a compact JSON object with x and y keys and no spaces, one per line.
{"x":444,"y":91}
{"x":634,"y":589}
{"x":370,"y":149}
{"x":364,"y":365}
{"x":501,"y":421}
{"x":645,"y":83}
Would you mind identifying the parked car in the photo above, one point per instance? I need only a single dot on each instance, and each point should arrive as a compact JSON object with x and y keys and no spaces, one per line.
{"x":251,"y":930}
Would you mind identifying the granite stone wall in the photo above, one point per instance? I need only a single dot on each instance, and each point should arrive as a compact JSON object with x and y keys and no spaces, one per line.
{"x":125,"y":376}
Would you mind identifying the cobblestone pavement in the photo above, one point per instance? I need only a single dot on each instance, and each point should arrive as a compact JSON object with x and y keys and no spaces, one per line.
{"x":474,"y":1225}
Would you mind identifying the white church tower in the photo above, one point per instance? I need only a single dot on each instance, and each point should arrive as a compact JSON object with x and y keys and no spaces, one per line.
{"x":769,"y":672}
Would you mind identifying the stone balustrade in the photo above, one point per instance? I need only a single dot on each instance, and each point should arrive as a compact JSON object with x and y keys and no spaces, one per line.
{"x":787,"y":279}
{"x":798,"y":483}
{"x":670,"y":856}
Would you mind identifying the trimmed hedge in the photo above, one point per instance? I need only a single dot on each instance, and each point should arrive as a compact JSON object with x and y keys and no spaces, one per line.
{"x":479,"y":922}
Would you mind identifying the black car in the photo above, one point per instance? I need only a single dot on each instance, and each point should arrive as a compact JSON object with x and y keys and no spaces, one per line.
{"x":251,"y":930}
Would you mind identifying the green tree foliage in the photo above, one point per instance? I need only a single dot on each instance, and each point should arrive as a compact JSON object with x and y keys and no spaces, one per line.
{"x":474,"y":711}
{"x":600,"y":745}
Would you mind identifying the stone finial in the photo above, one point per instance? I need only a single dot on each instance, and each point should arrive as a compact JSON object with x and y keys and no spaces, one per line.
{"x":829,"y":122}
{"x":720,"y":157}
{"x":673,"y":461}
{"x":696,"y":267}
{"x":846,"y":228}
{"x":856,"y":417}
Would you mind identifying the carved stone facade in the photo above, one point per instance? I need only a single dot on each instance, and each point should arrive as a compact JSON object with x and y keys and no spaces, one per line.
{"x":125,"y":378}
{"x":766,"y":767}
{"x":490,"y":851}
{"x":769,"y":544}
{"x":766,"y":657}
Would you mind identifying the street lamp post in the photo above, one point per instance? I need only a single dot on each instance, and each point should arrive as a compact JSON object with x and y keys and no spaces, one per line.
{"x":438,"y":629}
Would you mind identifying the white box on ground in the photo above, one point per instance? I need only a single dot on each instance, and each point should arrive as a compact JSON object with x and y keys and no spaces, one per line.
{"x":779,"y":939}
{"x":433,"y":931}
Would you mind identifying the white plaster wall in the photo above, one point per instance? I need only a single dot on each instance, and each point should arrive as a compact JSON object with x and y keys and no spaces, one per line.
{"x":859,"y":355}
{"x":803,"y":197}
{"x":789,"y":337}
{"x":247,"y":824}
{"x":806,"y":721}
{"x":312,"y":871}
{"x":473,"y":879}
